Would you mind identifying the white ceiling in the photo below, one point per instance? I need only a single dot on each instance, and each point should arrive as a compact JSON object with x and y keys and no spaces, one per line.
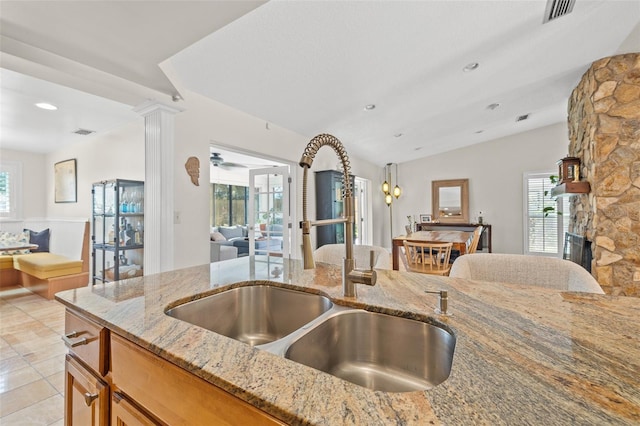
{"x":311,"y":66}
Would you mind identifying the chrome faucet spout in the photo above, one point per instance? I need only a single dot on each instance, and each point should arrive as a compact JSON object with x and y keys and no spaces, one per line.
{"x":350,"y":275}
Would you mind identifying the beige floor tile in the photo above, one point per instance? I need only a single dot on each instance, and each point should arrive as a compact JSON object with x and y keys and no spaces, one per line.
{"x":46,"y":412}
{"x":7,"y":352}
{"x":58,"y":423}
{"x":10,"y":293}
{"x":17,"y":329}
{"x":46,"y":352}
{"x":15,"y":378}
{"x":11,"y":364}
{"x":57,"y":381}
{"x":24,"y":396}
{"x":36,"y":343}
{"x":50,"y":366}
{"x":41,"y":311}
{"x":57,"y":326}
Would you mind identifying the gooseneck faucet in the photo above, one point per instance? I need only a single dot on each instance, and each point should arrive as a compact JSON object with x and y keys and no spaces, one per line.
{"x":350,"y":275}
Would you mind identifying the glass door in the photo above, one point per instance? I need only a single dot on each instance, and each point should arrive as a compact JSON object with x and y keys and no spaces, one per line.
{"x":361,"y":213}
{"x":269,"y":212}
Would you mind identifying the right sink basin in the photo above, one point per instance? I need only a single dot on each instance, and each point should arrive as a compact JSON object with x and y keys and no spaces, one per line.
{"x":377,"y":351}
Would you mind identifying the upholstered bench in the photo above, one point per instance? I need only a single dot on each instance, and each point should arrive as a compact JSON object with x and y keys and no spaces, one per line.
{"x":46,"y":265}
{"x":65,"y":267}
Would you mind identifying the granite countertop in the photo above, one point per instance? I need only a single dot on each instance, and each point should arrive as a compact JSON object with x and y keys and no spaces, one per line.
{"x":523,"y":355}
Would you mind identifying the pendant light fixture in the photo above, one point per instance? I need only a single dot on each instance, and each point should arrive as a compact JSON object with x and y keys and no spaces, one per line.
{"x":388,"y":193}
{"x":386,"y":185}
{"x":396,"y":189}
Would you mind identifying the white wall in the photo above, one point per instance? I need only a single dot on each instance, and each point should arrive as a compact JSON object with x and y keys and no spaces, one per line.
{"x":495,"y":171}
{"x":204,"y":122}
{"x":34,"y":189}
{"x":118,"y":154}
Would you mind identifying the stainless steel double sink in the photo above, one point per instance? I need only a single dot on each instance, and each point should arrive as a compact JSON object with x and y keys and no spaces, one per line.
{"x":374,"y":350}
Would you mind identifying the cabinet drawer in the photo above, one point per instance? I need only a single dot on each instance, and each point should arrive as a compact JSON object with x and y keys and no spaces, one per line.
{"x":173,"y":395}
{"x":87,"y":340}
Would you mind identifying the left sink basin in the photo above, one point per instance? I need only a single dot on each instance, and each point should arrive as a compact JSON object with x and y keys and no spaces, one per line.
{"x":255,"y":315}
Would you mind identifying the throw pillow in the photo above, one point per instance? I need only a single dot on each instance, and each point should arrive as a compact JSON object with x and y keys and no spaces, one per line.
{"x":216,"y":236}
{"x":11,"y":238}
{"x":41,"y":239}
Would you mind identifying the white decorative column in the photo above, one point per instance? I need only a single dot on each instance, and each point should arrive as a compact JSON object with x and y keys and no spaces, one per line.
{"x":159,"y":134}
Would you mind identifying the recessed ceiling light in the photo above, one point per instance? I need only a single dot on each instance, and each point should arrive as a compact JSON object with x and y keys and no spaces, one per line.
{"x":479,"y":131}
{"x":397,"y":135}
{"x":418,"y":148}
{"x":522,"y":117}
{"x":47,"y":106}
{"x":369,"y":107}
{"x":470,"y":67}
{"x":493,"y":106}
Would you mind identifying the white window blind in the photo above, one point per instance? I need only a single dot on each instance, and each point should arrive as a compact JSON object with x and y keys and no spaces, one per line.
{"x":10,"y":190}
{"x":544,"y":235}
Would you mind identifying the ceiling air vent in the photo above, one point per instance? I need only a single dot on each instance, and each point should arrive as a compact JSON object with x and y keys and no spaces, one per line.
{"x":522,"y":117}
{"x":83,"y":132}
{"x":557,"y":8}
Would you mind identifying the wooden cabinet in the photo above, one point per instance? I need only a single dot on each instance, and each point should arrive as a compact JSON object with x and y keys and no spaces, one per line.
{"x":86,"y":396}
{"x":329,"y":205}
{"x":173,"y":395}
{"x":110,"y":379}
{"x":86,"y":388}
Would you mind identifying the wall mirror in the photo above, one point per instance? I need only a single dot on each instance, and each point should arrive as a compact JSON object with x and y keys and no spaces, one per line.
{"x":450,"y":200}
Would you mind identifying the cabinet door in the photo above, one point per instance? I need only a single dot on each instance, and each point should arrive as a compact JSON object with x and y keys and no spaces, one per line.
{"x":86,"y":396}
{"x":124,"y":413}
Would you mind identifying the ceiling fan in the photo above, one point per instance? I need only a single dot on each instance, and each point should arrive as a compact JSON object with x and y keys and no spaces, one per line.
{"x":218,"y":161}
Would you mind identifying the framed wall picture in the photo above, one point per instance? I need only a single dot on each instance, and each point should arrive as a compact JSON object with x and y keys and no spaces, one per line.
{"x":425,"y":218}
{"x":65,"y":181}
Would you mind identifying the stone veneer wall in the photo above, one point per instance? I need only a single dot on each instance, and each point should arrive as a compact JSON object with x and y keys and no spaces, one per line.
{"x":604,"y":132}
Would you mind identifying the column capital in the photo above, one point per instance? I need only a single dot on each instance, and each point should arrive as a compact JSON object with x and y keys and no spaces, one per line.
{"x":151,"y":106}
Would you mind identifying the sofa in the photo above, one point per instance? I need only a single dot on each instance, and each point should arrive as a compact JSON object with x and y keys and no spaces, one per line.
{"x":549,"y":272}
{"x":238,"y":237}
{"x":221,"y":252}
{"x":61,"y":261}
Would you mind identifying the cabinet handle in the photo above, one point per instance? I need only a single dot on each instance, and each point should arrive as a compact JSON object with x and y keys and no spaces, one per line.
{"x":89,"y":398}
{"x":72,"y":343}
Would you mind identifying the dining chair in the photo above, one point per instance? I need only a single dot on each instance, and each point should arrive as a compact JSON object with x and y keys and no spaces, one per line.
{"x":472,"y":244}
{"x":427,"y":258}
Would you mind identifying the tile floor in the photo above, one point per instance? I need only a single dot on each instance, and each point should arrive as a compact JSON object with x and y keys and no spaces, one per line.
{"x":31,"y":359}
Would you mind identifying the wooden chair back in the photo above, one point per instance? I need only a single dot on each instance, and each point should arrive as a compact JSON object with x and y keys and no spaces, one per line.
{"x":472,"y":245}
{"x":427,"y":258}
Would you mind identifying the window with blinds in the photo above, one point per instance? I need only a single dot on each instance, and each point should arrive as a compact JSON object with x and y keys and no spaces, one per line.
{"x":543,"y":232}
{"x":10,"y":190}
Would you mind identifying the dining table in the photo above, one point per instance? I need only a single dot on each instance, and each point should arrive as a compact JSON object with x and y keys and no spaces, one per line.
{"x":458,"y":239}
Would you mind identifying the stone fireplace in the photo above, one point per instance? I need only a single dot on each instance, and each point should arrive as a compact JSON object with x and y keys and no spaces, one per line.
{"x":604,"y":132}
